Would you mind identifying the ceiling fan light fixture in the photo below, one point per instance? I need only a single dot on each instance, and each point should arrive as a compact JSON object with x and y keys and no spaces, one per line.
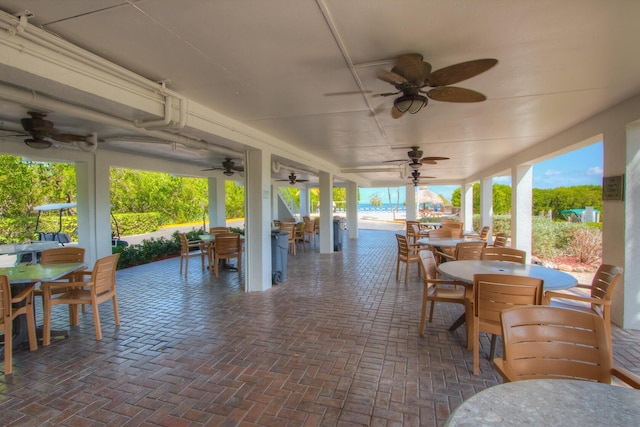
{"x":415,"y":165}
{"x":38,"y":144}
{"x":228,"y":172}
{"x":411,"y":103}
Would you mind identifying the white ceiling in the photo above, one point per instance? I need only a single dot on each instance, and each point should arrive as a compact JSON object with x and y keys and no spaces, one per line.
{"x":271,"y":64}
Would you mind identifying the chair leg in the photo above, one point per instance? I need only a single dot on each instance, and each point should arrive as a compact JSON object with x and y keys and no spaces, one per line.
{"x":492,"y":352}
{"x":96,"y":320}
{"x":240,"y":265}
{"x":398,"y":269}
{"x":202,"y":259}
{"x":31,"y":329}
{"x":181,"y":259}
{"x":116,"y":313}
{"x":424,"y":311}
{"x":476,"y":347}
{"x":8,"y":347}
{"x":433,"y":304}
{"x":406,"y":272}
{"x":46,"y":326}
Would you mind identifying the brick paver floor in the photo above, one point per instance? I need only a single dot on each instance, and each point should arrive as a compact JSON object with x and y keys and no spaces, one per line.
{"x":336,"y":344}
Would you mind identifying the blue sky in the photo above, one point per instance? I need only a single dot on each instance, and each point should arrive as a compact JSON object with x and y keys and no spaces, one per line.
{"x":579,"y":167}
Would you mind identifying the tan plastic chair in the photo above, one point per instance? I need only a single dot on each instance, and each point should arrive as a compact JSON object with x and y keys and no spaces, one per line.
{"x":504,"y":254}
{"x":553,"y":342}
{"x":464,"y":251}
{"x":500,"y":240}
{"x":289,"y":220}
{"x":63,"y":255}
{"x":439,"y":233}
{"x":414,"y":232}
{"x":484,"y":233}
{"x":277,"y":223}
{"x":10,"y":308}
{"x":408,"y":254}
{"x":186,"y":252}
{"x":436,"y":289}
{"x":100,"y":287}
{"x":310,"y":232}
{"x":291,"y":229}
{"x":492,"y":294}
{"x":210,"y":248}
{"x":228,"y":246}
{"x":599,"y":298}
{"x":299,"y":235}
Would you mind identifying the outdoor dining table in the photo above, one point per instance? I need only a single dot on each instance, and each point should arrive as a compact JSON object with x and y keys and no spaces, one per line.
{"x":464,"y":271}
{"x":21,"y":276}
{"x":550,"y":402}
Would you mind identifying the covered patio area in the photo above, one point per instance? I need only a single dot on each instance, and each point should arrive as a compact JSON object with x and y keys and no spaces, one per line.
{"x":336,"y":344}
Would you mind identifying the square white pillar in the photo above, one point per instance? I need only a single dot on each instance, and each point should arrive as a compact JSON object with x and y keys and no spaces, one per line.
{"x":466,"y":206}
{"x":257,"y":221}
{"x":521,"y":208}
{"x":352,"y":209}
{"x":410,"y":198}
{"x":326,"y":213}
{"x":486,"y":202}
{"x":217,"y":205}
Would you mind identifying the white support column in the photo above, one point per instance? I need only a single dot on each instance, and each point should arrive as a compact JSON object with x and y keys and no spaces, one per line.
{"x":274,"y":202}
{"x":486,"y":202}
{"x":326,"y":213}
{"x":217,"y":205}
{"x":521,"y":208}
{"x":410,"y":198}
{"x":85,"y":183}
{"x":622,"y":224}
{"x":352,"y":209}
{"x":257,"y":221}
{"x":102,"y":207}
{"x":304,"y":201}
{"x":466,"y":205}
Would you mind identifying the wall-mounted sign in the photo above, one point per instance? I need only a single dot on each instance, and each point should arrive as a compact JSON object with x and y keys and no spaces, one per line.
{"x":613,"y":187}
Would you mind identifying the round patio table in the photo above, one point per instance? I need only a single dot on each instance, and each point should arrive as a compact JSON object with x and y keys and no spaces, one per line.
{"x":446,"y":242}
{"x":553,"y":402}
{"x":464,"y":271}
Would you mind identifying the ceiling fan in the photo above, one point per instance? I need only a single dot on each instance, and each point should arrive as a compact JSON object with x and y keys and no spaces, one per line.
{"x":228,"y":166}
{"x":416,"y":159}
{"x":42,"y":132}
{"x":293,"y":179}
{"x":411,"y":74}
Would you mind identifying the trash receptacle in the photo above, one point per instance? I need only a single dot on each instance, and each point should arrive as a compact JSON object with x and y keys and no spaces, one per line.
{"x":279,"y":250}
{"x":337,"y":236}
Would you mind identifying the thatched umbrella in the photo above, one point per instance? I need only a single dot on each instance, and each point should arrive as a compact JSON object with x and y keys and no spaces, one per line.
{"x":427,"y":196}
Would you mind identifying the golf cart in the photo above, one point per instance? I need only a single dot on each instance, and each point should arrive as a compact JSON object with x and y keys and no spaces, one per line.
{"x":62,"y":238}
{"x":53,"y":236}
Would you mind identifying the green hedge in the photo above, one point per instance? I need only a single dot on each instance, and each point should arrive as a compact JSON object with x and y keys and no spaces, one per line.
{"x":23,"y":229}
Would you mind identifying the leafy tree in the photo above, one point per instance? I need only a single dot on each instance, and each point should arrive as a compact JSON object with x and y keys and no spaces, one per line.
{"x":234,"y":202}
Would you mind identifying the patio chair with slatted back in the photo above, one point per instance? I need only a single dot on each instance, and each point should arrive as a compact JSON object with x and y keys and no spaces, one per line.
{"x":210,"y":248}
{"x":464,"y":251}
{"x":500,"y":240}
{"x":440,"y":233}
{"x":309,"y":232}
{"x":408,"y":254}
{"x":493,"y":293}
{"x":437,"y":289}
{"x":10,"y":308}
{"x":291,"y":229}
{"x":599,"y":295}
{"x":99,"y":287}
{"x":504,"y":254}
{"x":484,"y":233}
{"x":228,"y":246}
{"x":277,"y":223}
{"x":64,"y":255}
{"x":542,"y":342}
{"x":190,"y":249}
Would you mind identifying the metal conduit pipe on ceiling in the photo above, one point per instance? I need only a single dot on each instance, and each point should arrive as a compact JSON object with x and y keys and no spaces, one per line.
{"x":27,"y":98}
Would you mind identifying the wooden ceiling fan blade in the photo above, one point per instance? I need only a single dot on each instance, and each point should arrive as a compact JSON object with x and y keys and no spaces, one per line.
{"x":391,"y":77}
{"x":412,"y":67}
{"x":433,"y":159}
{"x":455,"y":94}
{"x":67,"y":137}
{"x":395,"y":113}
{"x":459,"y":72}
{"x":355,"y":92}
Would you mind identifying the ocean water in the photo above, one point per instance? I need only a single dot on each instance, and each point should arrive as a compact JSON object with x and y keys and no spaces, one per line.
{"x":385,"y":207}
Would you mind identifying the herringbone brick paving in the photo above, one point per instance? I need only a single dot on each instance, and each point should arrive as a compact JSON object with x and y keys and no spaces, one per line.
{"x":337,"y":344}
